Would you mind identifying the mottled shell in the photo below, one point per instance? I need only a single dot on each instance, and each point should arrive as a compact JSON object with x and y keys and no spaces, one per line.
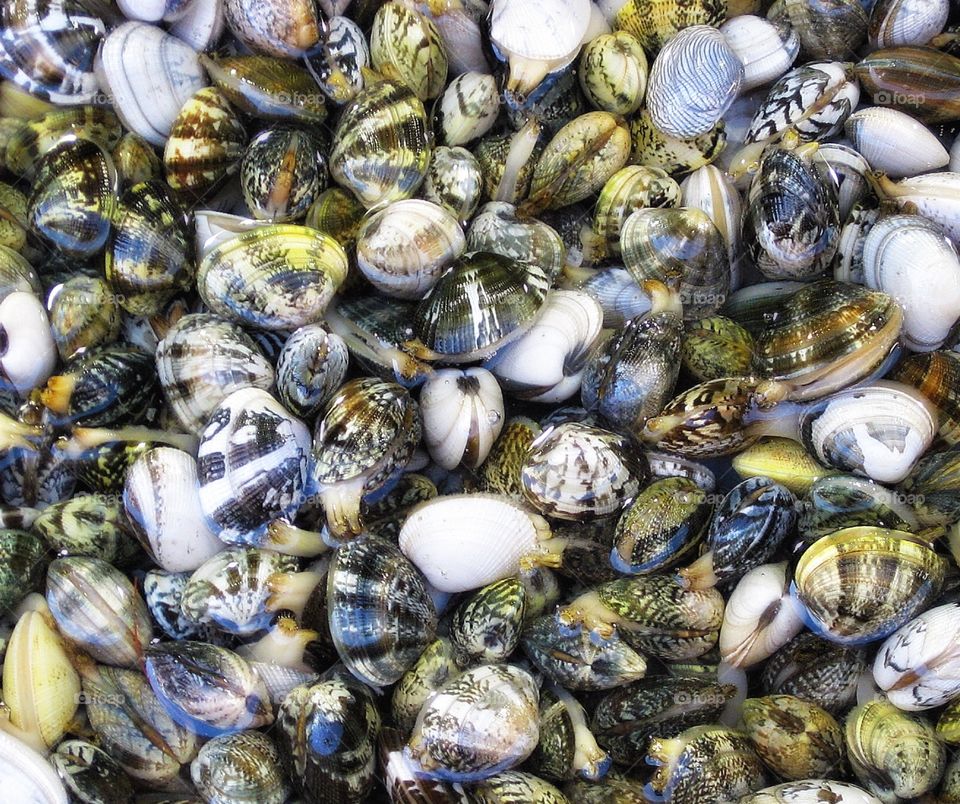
{"x":486,"y":627}
{"x":86,"y":524}
{"x":339,"y":63}
{"x":90,"y":773}
{"x":796,"y":739}
{"x":251,"y":464}
{"x":136,"y":160}
{"x":579,"y":472}
{"x":716,"y":347}
{"x":206,"y":140}
{"x":500,"y":472}
{"x":693,"y":81}
{"x":435,"y":666}
{"x":498,"y":229}
{"x":934,"y":374}
{"x":894,"y":755}
{"x":483,"y":302}
{"x":83,"y":314}
{"x":276,"y":277}
{"x":242,"y":767}
{"x":381,"y":147}
{"x":468,"y":108}
{"x":403,"y":249}
{"x":859,"y":585}
{"x":206,"y":688}
{"x":454,"y":182}
{"x":380,"y":613}
{"x":653,"y":22}
{"x":651,"y":147}
{"x":96,"y":607}
{"x":465,"y":541}
{"x":516,"y":786}
{"x":282,"y":172}
{"x":406,"y":46}
{"x":202,"y":360}
{"x":613,"y":73}
{"x":482,"y":722}
{"x":310,"y":368}
{"x":829,"y":29}
{"x":286,"y":30}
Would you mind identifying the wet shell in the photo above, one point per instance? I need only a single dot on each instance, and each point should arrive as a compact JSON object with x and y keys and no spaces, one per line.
{"x":454,"y":182}
{"x":653,"y":22}
{"x":766,"y":50}
{"x":651,"y":147}
{"x":895,"y":755}
{"x":844,"y":501}
{"x":161,"y":502}
{"x":716,"y":347}
{"x":498,"y":229}
{"x":135,"y":160}
{"x":90,"y":773}
{"x":380,"y":613}
{"x":287,"y":30}
{"x":500,"y":472}
{"x":486,"y":628}
{"x":242,"y":767}
{"x":934,"y":374}
{"x":934,"y":195}
{"x":311,"y":366}
{"x":381,"y":148}
{"x":432,"y":670}
{"x":478,"y":724}
{"x":96,"y":607}
{"x":547,"y":362}
{"x":483,"y":302}
{"x":72,"y":202}
{"x":827,"y":29}
{"x":86,"y":524}
{"x":859,"y":585}
{"x":920,"y":81}
{"x":468,"y":108}
{"x":878,"y":133}
{"x":403,"y":249}
{"x":906,"y":22}
{"x":811,"y":790}
{"x":367,"y":431}
{"x":206,"y":140}
{"x":462,"y":416}
{"x":579,"y":472}
{"x":692,"y":83}
{"x":149,"y":75}
{"x":83,"y":314}
{"x":465,"y":541}
{"x":613,"y":73}
{"x":338,"y":63}
{"x":507,"y":161}
{"x":276,"y":277}
{"x":205,"y":688}
{"x":281,"y":173}
{"x":251,"y":464}
{"x":406,"y":46}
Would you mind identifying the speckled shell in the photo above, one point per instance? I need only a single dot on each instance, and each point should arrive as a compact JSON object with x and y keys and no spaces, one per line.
{"x":90,"y":773}
{"x":859,"y":585}
{"x":86,"y":524}
{"x":516,"y":786}
{"x":486,"y":628}
{"x":653,"y":148}
{"x":380,"y":613}
{"x":276,"y":277}
{"x":326,"y":736}
{"x":206,"y":688}
{"x":135,"y":160}
{"x":579,"y":472}
{"x":933,"y":488}
{"x":282,"y":172}
{"x":827,"y":29}
{"x":242,"y":767}
{"x":455,"y":182}
{"x":310,"y":368}
{"x":465,"y":541}
{"x":97,"y":608}
{"x":693,"y":81}
{"x":653,"y":22}
{"x":285,"y":29}
{"x":482,"y":722}
{"x":843,"y":501}
{"x":206,"y":140}
{"x":716,"y":347}
{"x":498,"y":229}
{"x":432,"y":670}
{"x":406,"y":46}
{"x":404,"y":248}
{"x":202,"y":360}
{"x":251,"y":464}
{"x":468,"y":108}
{"x":381,"y":148}
{"x":83,"y":314}
{"x":613,"y":72}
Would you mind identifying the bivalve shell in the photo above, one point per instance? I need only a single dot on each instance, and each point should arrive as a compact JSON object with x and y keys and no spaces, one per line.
{"x":766,"y":50}
{"x":906,"y":22}
{"x":879,"y":134}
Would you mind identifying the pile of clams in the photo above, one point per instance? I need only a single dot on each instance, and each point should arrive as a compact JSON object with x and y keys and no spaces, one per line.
{"x":480,"y":401}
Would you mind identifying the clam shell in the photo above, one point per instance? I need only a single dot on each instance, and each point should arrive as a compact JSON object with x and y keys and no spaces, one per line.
{"x":692,"y":83}
{"x":30,"y":353}
{"x":468,"y":108}
{"x":498,"y":228}
{"x":310,"y":368}
{"x":465,"y":541}
{"x":201,"y":25}
{"x":403,"y":249}
{"x":338,"y":66}
{"x":934,"y":375}
{"x":28,"y":775}
{"x":454,"y":182}
{"x":921,"y":81}
{"x":613,"y":72}
{"x":766,"y":50}
{"x":618,"y":294}
{"x":406,"y":46}
{"x":486,"y":628}
{"x":150,"y":75}
{"x":276,"y":277}
{"x":835,"y":28}
{"x":653,"y":22}
{"x":281,"y":173}
{"x":161,"y":502}
{"x":287,"y":29}
{"x":242,"y":767}
{"x":651,"y":147}
{"x":935,"y":196}
{"x":906,"y":22}
{"x":90,"y":772}
{"x":716,"y":347}
{"x":878,"y":133}
{"x":710,"y":190}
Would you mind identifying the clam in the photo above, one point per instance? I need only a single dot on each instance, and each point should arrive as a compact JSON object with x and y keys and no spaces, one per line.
{"x":932,"y":486}
{"x":935,"y":196}
{"x":850,"y":170}
{"x":462,"y":416}
{"x":381,"y":147}
{"x":310,"y":368}
{"x":834,"y":28}
{"x":454,"y":182}
{"x":200,"y":25}
{"x":811,"y":790}
{"x":282,"y":171}
{"x":499,"y":702}
{"x":715,"y":347}
{"x":766,"y":50}
{"x":207,"y":689}
{"x":288,"y":30}
{"x":30,"y":352}
{"x":404,"y":248}
{"x":906,"y":22}
{"x":895,"y":755}
{"x":251,"y":465}
{"x":710,"y":190}
{"x":380,"y":614}
{"x":367,"y":432}
{"x":86,"y":524}
{"x":920,"y":81}
{"x":149,"y":75}
{"x":613,"y":72}
{"x":507,"y":161}
{"x":651,"y":147}
{"x":486,"y":627}
{"x":338,"y":64}
{"x":89,"y":772}
{"x":932,"y":374}
{"x":497,"y":228}
{"x":83,"y":314}
{"x":842,"y":501}
{"x":240,"y":767}
{"x":516,"y":786}
{"x":465,"y":541}
{"x":859,"y":585}
{"x":693,"y":81}
{"x":578,"y":472}
{"x":162,"y":504}
{"x":878,"y":133}
{"x":277,"y":277}
{"x":406,"y":46}
{"x":547,"y":362}
{"x":653,"y":22}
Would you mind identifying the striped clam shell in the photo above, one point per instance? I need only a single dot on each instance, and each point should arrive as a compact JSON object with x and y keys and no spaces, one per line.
{"x":406,"y":46}
{"x":468,"y":108}
{"x":337,"y":65}
{"x":894,"y":23}
{"x":251,"y":464}
{"x":202,"y":360}
{"x":241,"y":767}
{"x":310,"y":368}
{"x":693,"y":81}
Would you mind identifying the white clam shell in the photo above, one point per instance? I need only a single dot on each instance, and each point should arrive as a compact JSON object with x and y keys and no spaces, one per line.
{"x":149,"y":75}
{"x":760,"y":617}
{"x":936,"y":196}
{"x":27,"y":777}
{"x":469,"y":107}
{"x":918,"y":666}
{"x":693,"y":81}
{"x":955,"y":155}
{"x":757,"y":42}
{"x":894,"y":23}
{"x":618,"y":294}
{"x":910,"y":258}
{"x":464,"y":541}
{"x":462,"y":416}
{"x":711,"y":190}
{"x":30,"y":354}
{"x":546,"y":363}
{"x":811,"y":791}
{"x":850,"y":170}
{"x":895,"y":143}
{"x":202,"y":25}
{"x":403,"y":249}
{"x":161,"y":500}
